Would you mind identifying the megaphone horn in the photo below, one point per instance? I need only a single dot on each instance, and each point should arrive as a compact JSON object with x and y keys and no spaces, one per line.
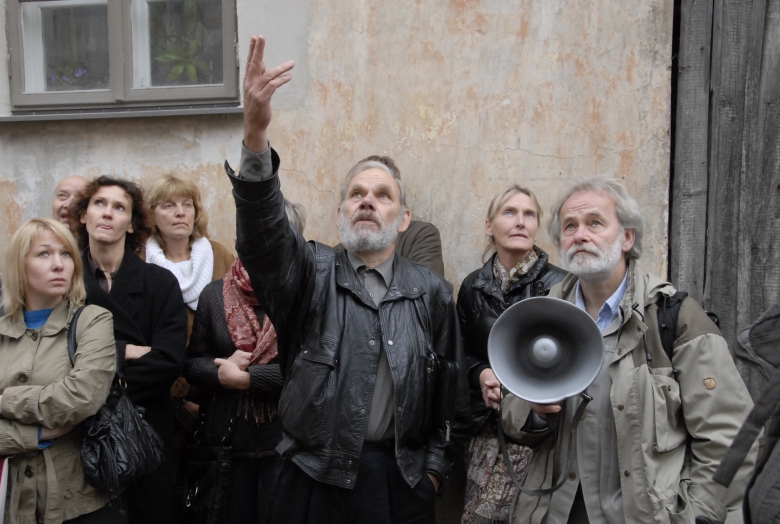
{"x":544,"y":350}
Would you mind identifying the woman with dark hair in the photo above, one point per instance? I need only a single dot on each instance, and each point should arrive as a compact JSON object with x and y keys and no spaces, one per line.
{"x":231,"y":359}
{"x":43,"y":397}
{"x":516,"y":269}
{"x":150,"y":323}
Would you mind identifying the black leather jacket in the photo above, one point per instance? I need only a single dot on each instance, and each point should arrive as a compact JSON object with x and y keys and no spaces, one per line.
{"x":329,"y":335}
{"x":480,"y":303}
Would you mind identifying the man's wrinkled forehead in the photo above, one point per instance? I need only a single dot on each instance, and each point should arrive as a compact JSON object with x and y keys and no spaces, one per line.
{"x":71,"y":183}
{"x":376,"y":179}
{"x":589,"y":203}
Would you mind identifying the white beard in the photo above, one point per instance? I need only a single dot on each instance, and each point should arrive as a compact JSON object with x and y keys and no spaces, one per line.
{"x":596,"y":267}
{"x":358,"y":239}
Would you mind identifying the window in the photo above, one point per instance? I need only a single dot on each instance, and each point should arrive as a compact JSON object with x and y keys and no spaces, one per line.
{"x":82,"y":54}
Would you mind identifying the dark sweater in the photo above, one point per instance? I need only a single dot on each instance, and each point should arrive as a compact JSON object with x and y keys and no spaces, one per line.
{"x":253,"y":431}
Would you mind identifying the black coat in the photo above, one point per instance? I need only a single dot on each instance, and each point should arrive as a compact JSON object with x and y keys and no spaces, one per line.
{"x":211,"y":339}
{"x":330,"y":333}
{"x":148,"y":310}
{"x":480,"y":302}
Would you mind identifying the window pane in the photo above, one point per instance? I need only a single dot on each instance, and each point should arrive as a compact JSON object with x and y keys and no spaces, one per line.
{"x":180,"y":45}
{"x":65,"y":45}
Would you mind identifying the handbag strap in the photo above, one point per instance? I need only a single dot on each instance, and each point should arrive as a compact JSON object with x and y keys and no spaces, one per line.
{"x":73,"y":344}
{"x":556,"y":467}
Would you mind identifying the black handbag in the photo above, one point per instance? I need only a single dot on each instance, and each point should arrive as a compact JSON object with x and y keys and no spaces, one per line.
{"x":118,"y":445}
{"x":207,"y":474}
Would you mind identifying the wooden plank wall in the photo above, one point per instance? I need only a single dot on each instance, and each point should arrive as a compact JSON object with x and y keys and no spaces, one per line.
{"x":725,"y":213}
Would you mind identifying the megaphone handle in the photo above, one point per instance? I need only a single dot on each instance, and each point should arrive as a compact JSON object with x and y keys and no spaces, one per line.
{"x":552,"y":421}
{"x":508,"y":463}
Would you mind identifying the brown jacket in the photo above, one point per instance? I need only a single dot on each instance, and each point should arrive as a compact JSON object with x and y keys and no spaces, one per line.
{"x":40,"y":388}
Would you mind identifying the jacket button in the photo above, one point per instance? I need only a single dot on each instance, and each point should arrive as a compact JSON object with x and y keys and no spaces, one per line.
{"x":620,"y":407}
{"x":362,"y":411}
{"x":620,"y":352}
{"x":639,"y":328}
{"x":29,"y":472}
{"x":349,"y":463}
{"x":627,"y":473}
{"x":400,"y":409}
{"x":572,"y":475}
{"x":22,"y":377}
{"x":35,"y":335}
{"x":349,"y":481}
{"x":415,"y":289}
{"x":370,"y":342}
{"x":492,"y":289}
{"x":389,"y":342}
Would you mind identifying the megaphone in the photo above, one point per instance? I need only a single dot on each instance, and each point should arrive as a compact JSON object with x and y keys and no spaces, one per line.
{"x":544,"y":350}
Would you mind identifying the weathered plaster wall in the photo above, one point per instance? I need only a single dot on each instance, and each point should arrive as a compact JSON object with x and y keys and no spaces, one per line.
{"x":466,"y":95}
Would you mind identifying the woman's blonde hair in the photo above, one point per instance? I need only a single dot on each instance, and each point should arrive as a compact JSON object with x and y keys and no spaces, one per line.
{"x":15,"y":281}
{"x":166,"y":186}
{"x":498,"y":201}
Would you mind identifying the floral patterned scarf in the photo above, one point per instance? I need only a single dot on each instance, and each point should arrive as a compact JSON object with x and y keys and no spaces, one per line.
{"x":509,"y":277}
{"x":245,"y":330}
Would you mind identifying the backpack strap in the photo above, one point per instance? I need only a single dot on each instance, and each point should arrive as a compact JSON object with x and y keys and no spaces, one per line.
{"x":72,"y":342}
{"x":668,"y":311}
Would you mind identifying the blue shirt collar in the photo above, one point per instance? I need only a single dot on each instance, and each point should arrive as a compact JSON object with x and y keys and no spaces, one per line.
{"x":611,"y":308}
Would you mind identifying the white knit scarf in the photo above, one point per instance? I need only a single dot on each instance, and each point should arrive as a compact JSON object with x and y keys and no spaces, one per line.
{"x":202,"y":259}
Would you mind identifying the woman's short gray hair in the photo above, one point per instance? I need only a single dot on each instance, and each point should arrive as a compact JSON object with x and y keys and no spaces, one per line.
{"x":365,"y":166}
{"x":628,"y":212}
{"x":296,"y":214}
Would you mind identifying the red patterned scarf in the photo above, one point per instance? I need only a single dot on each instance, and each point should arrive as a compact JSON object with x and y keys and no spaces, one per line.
{"x":245,"y":330}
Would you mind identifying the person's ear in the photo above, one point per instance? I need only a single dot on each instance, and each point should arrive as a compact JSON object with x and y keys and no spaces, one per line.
{"x":628,"y":240}
{"x":488,"y":228}
{"x":406,"y":221}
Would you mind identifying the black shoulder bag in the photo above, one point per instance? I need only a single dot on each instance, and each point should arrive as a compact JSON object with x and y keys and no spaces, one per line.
{"x":208,"y":473}
{"x":118,"y":445}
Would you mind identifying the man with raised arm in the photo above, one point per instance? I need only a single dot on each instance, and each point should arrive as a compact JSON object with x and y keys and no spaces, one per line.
{"x":649,"y":442}
{"x":375,"y":398}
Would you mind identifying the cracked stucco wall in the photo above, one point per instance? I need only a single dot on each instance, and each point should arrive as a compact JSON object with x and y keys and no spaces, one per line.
{"x":467,"y":95}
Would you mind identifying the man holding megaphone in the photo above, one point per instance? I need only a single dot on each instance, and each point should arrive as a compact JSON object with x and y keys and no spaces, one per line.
{"x":649,"y":441}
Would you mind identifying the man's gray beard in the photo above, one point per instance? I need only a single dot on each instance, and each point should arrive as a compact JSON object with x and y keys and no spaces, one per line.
{"x":594,"y":268}
{"x":365,"y":240}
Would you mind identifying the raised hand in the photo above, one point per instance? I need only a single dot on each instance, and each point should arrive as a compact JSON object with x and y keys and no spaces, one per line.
{"x":259,"y":86}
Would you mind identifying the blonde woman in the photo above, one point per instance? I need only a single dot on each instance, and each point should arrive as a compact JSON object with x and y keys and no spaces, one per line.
{"x":179,"y":240}
{"x":514,"y":269}
{"x":44,"y":398}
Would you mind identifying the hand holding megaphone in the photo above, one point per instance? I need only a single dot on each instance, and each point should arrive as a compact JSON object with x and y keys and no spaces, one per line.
{"x":491,"y":389}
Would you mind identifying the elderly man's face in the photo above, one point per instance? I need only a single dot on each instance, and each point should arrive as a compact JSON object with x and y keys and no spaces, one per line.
{"x":592,"y":240}
{"x":370,"y":217}
{"x":64,"y":194}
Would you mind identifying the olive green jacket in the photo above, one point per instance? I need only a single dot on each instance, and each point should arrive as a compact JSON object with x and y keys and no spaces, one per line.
{"x":657,"y":417}
{"x":40,"y":388}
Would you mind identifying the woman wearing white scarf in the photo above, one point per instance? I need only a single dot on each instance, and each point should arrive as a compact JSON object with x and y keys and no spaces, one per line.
{"x":179,"y":240}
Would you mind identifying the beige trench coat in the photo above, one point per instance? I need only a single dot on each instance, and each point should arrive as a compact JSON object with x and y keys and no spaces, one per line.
{"x":41,"y":389}
{"x":656,"y":416}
